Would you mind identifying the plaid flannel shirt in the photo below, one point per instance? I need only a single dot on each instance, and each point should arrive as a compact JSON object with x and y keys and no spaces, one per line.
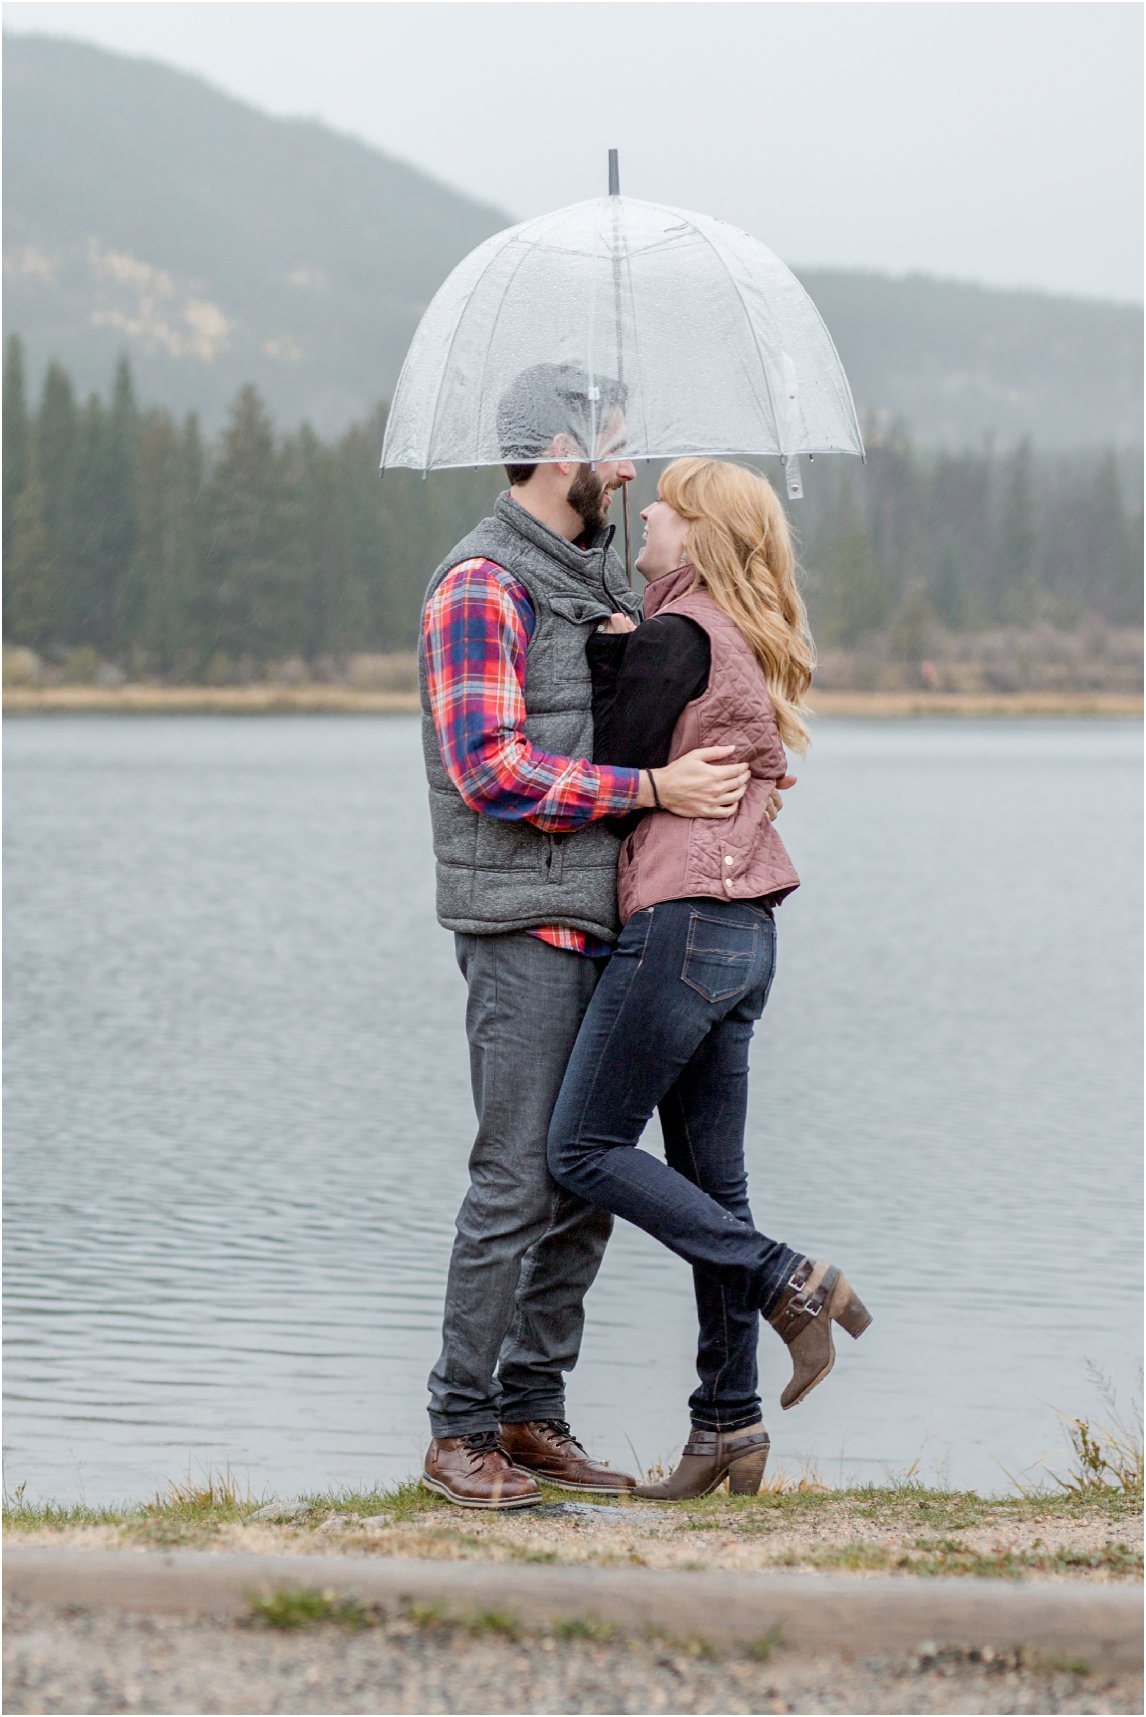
{"x":476,"y":630}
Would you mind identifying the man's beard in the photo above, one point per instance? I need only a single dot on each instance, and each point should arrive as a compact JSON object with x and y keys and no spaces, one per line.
{"x":586,"y":496}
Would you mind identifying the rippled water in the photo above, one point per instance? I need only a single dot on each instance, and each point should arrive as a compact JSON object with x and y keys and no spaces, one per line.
{"x":238,"y":1110}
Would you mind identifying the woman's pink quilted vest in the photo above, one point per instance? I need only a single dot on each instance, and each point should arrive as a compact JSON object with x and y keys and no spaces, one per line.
{"x":738,"y":858}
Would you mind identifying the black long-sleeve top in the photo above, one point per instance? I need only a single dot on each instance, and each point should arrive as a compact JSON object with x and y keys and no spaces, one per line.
{"x":642,"y":681}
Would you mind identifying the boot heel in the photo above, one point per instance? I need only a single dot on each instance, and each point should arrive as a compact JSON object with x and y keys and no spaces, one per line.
{"x":746,"y":1475}
{"x":851,"y":1313}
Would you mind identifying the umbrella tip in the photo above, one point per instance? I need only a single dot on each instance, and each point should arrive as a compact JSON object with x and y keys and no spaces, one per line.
{"x":614,"y":174}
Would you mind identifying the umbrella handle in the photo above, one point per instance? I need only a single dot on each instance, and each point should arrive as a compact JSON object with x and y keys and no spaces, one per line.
{"x":625,"y":516}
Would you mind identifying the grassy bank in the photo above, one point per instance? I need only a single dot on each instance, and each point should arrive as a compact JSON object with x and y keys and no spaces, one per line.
{"x":906,"y":1529}
{"x":347,"y":700}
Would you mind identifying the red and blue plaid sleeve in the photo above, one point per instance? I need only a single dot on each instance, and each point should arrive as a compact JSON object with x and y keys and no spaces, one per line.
{"x":476,"y":630}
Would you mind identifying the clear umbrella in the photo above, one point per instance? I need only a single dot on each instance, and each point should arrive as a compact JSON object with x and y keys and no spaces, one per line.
{"x":717,"y":347}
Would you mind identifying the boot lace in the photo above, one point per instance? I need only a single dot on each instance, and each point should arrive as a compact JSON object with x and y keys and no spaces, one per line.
{"x":479,"y":1444}
{"x":561,"y":1434}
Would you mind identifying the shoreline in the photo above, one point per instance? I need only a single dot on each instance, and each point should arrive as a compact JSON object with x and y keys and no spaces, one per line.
{"x":345,"y":700}
{"x":893,"y":1600}
{"x":909,"y":1531}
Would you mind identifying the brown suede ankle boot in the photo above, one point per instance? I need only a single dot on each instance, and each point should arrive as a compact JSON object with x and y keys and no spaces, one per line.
{"x":711,"y":1456}
{"x":813,"y":1298}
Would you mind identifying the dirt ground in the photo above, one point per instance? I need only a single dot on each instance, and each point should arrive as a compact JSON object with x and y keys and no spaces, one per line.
{"x":78,"y":1662}
{"x":909,"y":1532}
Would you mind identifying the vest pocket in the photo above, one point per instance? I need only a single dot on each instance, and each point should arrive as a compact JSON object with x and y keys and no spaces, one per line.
{"x":719,"y":957}
{"x":554,"y":858}
{"x":510,"y":846}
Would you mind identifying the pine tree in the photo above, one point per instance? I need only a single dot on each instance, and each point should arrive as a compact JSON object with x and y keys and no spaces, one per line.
{"x":115,"y":622}
{"x":1111,"y":567}
{"x":331,"y":601}
{"x":1017,"y":594}
{"x":56,"y":431}
{"x":910,"y":632}
{"x":17,"y":434}
{"x":254,"y":558}
{"x":897,"y":514}
{"x":56,"y":444}
{"x":194,"y":624}
{"x":365,"y":506}
{"x":85,"y":583}
{"x":33,"y":572}
{"x":959,"y":530}
{"x":850,"y":589}
{"x":947,"y":591}
{"x":863,"y":589}
{"x":147,"y":595}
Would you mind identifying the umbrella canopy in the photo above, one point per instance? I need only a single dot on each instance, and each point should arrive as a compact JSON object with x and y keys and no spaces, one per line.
{"x":716,"y":345}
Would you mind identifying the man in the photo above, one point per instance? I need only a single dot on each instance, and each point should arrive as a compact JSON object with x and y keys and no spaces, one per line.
{"x":526,"y":873}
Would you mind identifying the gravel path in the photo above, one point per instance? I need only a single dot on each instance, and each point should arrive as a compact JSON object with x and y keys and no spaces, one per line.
{"x":75,"y":1661}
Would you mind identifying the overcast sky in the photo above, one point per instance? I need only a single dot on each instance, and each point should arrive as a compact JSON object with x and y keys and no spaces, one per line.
{"x":979,"y":140}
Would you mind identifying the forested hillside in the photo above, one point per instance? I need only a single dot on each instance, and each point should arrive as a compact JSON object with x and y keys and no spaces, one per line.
{"x":147,"y":212}
{"x":132,"y":540}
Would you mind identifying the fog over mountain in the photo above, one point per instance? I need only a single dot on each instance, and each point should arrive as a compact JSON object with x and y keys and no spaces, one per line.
{"x":147,"y":212}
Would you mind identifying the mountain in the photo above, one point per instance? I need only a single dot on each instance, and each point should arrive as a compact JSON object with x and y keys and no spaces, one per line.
{"x":959,"y":363}
{"x":147,"y":212}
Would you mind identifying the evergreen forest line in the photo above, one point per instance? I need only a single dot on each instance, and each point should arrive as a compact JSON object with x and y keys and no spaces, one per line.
{"x":129,"y":537}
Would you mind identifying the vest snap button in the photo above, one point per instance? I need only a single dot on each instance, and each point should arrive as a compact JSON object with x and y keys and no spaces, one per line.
{"x":730,"y":861}
{"x":728,"y":884}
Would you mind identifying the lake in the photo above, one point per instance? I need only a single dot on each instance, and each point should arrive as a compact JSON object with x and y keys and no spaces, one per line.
{"x":238,"y":1108}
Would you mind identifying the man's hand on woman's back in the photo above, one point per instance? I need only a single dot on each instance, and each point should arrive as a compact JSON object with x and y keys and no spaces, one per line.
{"x":702,"y":784}
{"x":699,"y":784}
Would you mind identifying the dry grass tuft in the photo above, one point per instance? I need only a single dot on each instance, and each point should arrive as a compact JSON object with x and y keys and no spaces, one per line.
{"x":1107,"y":1453}
{"x":212,"y":1494}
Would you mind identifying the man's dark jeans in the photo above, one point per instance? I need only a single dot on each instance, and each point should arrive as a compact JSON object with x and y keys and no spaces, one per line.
{"x":669,"y":1026}
{"x":526,"y":1251}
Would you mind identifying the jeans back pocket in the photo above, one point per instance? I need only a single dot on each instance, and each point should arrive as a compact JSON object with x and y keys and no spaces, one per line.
{"x":719,"y":956}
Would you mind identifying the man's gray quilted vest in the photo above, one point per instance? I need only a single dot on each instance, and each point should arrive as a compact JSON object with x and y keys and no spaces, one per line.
{"x":495,"y":876}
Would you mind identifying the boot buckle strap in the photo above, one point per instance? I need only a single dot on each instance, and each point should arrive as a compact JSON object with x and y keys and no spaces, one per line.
{"x":761,"y":1440}
{"x":705,"y":1446}
{"x":802,"y":1301}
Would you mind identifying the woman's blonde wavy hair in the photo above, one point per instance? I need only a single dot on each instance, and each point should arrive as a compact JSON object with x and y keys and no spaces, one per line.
{"x":740,"y":548}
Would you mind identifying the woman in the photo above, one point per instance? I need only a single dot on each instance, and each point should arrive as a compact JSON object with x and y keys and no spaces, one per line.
{"x":723,"y":657}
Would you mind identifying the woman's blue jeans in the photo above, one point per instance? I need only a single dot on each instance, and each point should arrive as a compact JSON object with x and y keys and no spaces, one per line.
{"x":668,"y":1028}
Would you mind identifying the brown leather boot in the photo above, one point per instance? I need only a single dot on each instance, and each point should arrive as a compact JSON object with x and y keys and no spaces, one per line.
{"x":475,"y":1473}
{"x":548,"y":1448}
{"x":711,"y":1456}
{"x":814,"y":1297}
